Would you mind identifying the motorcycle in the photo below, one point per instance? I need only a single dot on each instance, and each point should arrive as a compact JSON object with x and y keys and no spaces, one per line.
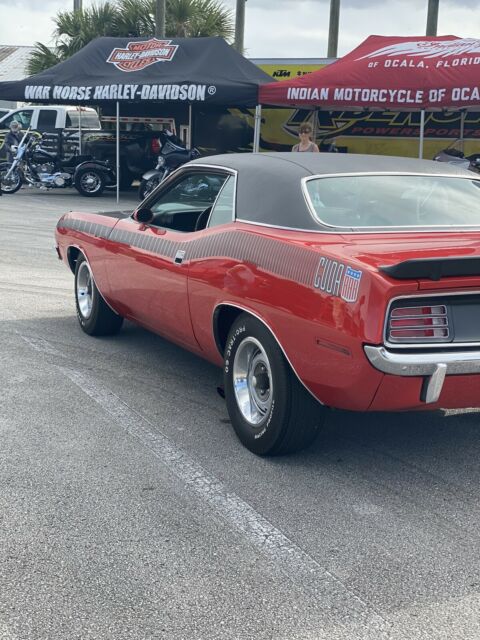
{"x":172,"y":155}
{"x":42,"y":169}
{"x":453,"y":154}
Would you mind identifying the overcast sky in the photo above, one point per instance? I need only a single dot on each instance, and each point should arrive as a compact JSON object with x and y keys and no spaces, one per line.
{"x":279,"y":28}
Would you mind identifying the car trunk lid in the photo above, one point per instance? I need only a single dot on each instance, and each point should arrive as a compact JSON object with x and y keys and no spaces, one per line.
{"x":434,"y":260}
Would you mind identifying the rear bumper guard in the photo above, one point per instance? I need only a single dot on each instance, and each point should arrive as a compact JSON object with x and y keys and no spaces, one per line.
{"x":432,"y":366}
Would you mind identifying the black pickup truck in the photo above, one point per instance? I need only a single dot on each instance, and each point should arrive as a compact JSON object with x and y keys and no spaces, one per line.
{"x":138,"y":149}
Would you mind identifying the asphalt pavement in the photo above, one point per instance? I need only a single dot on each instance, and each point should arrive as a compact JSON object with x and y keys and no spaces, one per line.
{"x":129,"y":510}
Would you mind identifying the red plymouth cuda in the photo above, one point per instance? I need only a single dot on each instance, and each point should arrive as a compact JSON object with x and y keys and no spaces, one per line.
{"x":314,"y":280}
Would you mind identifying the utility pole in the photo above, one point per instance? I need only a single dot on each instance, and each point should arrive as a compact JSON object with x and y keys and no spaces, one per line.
{"x":239,"y":25}
{"x":333,"y":29}
{"x":77,"y":5}
{"x":432,"y":17}
{"x":160,"y":11}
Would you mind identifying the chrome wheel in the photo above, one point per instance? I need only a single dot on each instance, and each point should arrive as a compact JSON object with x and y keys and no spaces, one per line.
{"x":90,"y":182}
{"x":85,"y":290}
{"x":12,"y":183}
{"x":252,"y":381}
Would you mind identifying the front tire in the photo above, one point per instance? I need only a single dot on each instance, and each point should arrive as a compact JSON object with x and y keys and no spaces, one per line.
{"x":14,"y":182}
{"x":94,"y":315}
{"x":90,"y":182}
{"x":271,"y":412}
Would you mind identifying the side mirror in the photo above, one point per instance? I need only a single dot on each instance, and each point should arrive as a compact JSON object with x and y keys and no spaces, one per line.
{"x":143,"y":215}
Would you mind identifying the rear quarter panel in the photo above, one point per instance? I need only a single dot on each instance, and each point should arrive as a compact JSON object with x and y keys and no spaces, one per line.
{"x":272,"y":274}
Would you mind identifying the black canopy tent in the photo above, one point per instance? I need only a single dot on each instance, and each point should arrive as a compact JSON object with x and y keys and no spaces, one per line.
{"x":189,"y":71}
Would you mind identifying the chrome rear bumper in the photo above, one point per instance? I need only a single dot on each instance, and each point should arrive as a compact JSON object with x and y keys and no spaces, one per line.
{"x":432,"y":366}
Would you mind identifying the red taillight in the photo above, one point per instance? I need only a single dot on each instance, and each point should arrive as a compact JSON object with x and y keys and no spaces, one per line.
{"x":155,"y":146}
{"x":418,"y":324}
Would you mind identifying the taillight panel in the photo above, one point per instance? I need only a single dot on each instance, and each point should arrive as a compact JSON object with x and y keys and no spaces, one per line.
{"x":441,"y":321}
{"x":425,"y":323}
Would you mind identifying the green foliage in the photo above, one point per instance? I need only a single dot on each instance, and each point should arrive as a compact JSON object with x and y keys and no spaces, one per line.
{"x":184,"y":18}
{"x":41,"y":58}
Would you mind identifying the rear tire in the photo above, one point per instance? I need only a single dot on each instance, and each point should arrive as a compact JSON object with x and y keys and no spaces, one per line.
{"x":90,"y":182}
{"x":271,"y":412}
{"x":94,"y":315}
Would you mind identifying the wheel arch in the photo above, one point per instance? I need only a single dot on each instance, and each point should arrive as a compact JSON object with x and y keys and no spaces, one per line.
{"x":73,"y":252}
{"x":72,"y":256}
{"x":225,"y":314}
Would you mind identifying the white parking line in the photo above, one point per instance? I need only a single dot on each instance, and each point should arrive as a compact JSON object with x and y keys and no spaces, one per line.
{"x":356,"y":617}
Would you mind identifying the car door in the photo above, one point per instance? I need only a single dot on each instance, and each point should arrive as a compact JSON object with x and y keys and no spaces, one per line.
{"x":147,"y":264}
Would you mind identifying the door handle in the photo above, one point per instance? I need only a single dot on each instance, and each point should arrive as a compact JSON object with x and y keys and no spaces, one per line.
{"x":179,"y":256}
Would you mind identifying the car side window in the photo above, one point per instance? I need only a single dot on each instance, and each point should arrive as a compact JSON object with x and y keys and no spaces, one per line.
{"x":187,"y":204}
{"x":23,"y":117}
{"x":223,"y":209}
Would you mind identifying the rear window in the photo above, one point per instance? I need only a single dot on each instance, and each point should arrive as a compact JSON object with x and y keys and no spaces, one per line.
{"x":85,"y":119}
{"x":394,"y":201}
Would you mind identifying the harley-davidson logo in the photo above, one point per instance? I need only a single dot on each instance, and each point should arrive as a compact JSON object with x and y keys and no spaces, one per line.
{"x":139,"y":55}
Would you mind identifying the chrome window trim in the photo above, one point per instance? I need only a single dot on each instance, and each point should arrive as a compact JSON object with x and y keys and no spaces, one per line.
{"x":429,"y":346}
{"x":371,"y":230}
{"x":260,"y":319}
{"x":234,"y":203}
{"x":185,"y":168}
{"x":377,"y":228}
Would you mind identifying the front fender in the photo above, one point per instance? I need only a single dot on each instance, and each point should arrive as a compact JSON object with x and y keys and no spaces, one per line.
{"x":108,"y":172}
{"x":153,"y":173}
{"x":95,"y":164}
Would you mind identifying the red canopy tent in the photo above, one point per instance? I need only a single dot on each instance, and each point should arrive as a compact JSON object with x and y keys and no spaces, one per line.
{"x":390,"y":73}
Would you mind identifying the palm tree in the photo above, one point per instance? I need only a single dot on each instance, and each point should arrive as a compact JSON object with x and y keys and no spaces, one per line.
{"x":184,"y":18}
{"x":198,"y":18}
{"x":42,"y":58}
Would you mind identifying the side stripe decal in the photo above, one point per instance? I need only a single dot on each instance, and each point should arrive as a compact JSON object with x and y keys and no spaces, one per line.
{"x":274,"y":256}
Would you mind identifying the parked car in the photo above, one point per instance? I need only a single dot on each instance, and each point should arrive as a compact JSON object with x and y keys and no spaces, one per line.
{"x":314,"y":280}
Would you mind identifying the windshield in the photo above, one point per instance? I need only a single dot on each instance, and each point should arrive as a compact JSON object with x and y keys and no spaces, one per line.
{"x":395,"y":201}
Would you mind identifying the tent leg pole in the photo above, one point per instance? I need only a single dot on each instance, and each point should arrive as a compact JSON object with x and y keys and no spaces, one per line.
{"x":256,"y":133}
{"x":80,"y":130}
{"x":190,"y":119}
{"x":462,"y":130}
{"x":117,"y":162}
{"x":422,"y":132}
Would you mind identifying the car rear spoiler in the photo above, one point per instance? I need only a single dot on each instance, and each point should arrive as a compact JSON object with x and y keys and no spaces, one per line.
{"x":434,"y":268}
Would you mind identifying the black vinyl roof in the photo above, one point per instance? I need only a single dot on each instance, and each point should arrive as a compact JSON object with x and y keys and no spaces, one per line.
{"x":269,"y":185}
